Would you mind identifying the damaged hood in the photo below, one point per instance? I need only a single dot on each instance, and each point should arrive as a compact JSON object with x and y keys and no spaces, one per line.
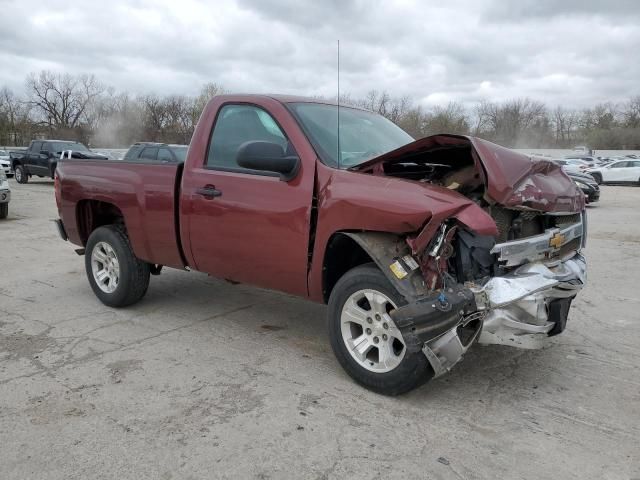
{"x":512,"y":179}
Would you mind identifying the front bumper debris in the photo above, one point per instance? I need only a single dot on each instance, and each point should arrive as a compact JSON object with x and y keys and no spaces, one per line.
{"x":530,"y":304}
{"x":442,"y":325}
{"x":522,"y":309}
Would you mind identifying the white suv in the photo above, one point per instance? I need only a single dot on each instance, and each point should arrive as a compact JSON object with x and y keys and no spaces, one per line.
{"x":623,"y":171}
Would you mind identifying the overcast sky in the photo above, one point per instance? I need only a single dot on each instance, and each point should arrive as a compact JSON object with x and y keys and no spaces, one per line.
{"x":571,"y":52}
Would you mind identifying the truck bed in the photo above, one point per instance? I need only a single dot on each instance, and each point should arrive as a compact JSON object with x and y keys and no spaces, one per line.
{"x":145,"y":194}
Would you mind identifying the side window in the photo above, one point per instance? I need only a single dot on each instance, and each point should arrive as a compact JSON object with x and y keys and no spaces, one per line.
{"x":149,"y":153}
{"x":132,"y":154}
{"x":36,"y":147}
{"x":164,"y":155}
{"x":619,"y":165}
{"x":237,"y":124}
{"x":635,"y":164}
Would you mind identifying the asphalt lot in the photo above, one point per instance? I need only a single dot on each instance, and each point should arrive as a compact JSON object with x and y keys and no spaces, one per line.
{"x":204,"y":379}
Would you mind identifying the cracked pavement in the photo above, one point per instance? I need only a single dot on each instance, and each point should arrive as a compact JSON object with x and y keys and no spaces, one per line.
{"x":204,"y":379}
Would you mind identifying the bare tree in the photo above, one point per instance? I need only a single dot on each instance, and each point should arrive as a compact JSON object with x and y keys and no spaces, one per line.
{"x":631,"y":112}
{"x":62,"y":101}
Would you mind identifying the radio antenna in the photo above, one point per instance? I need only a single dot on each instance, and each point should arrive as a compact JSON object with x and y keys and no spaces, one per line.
{"x":339,"y":152}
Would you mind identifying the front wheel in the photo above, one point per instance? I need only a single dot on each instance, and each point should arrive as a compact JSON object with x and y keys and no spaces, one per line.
{"x":116,"y":275}
{"x":20,"y":173}
{"x":365,"y":339}
{"x":4,"y":210}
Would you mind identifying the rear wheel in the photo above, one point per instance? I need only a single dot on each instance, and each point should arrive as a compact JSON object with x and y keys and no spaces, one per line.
{"x":365,"y":339}
{"x":4,"y":210}
{"x":20,"y":173}
{"x":116,"y":275}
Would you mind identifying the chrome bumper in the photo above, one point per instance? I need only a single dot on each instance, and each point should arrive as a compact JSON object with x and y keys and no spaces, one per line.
{"x":518,"y":308}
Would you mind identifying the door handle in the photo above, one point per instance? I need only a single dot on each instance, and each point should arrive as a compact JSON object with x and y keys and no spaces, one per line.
{"x":209,"y":191}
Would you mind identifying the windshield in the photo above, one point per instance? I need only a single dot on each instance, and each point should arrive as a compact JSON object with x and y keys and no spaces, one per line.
{"x":363,"y":135}
{"x":3,"y":153}
{"x":180,"y":152}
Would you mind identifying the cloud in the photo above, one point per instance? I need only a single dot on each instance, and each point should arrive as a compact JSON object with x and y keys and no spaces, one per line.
{"x":573,"y":53}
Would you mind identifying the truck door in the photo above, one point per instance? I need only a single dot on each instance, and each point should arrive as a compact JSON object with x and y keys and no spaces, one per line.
{"x":252,"y":227}
{"x":33,"y":158}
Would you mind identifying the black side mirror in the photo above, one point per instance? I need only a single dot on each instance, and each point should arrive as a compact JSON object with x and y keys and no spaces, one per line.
{"x":269,"y":157}
{"x":44,"y":152}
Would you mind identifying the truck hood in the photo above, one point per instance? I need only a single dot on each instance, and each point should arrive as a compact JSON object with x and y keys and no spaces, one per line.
{"x":512,"y":179}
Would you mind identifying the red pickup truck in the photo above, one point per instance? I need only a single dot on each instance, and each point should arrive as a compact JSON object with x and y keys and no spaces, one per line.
{"x":420,"y":248}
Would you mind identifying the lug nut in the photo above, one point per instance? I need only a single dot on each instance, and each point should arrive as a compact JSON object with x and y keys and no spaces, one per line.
{"x":384,"y":336}
{"x":385,"y":326}
{"x":377,"y":317}
{"x":369,"y":320}
{"x":368,"y":331}
{"x":376,"y":339}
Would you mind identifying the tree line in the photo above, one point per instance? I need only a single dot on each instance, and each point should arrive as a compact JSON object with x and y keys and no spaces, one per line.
{"x":81,"y":107}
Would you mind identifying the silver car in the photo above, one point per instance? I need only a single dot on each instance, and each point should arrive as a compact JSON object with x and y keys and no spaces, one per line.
{"x":5,"y":163}
{"x":5,"y":195}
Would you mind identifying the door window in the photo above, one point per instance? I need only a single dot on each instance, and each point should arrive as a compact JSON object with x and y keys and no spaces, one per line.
{"x":237,"y":124}
{"x":164,"y":155}
{"x":149,"y":153}
{"x":37,"y":146}
{"x":619,"y":165}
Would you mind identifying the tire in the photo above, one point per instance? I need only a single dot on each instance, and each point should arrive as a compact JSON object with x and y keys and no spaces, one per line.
{"x":20,"y":174}
{"x":597,"y":177}
{"x":4,"y":210}
{"x":409,"y":370}
{"x":126,"y":279}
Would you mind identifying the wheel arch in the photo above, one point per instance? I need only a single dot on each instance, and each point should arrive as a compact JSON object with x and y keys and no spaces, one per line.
{"x":346,"y":250}
{"x":91,"y":214}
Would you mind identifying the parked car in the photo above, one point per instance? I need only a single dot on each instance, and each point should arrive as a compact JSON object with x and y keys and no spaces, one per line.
{"x":157,"y":152}
{"x":622,"y":171}
{"x":41,"y":158}
{"x":5,"y":163}
{"x":588,"y":160}
{"x":420,"y":248}
{"x":572,"y":165}
{"x":588,"y":185}
{"x":5,"y":195}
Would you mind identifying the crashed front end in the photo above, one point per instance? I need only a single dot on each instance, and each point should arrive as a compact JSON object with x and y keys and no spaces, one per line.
{"x":508,"y":284}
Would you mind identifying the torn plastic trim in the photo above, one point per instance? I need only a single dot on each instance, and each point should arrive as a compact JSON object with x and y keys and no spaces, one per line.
{"x":529,"y":304}
{"x":444,"y":352}
{"x":433,"y":315}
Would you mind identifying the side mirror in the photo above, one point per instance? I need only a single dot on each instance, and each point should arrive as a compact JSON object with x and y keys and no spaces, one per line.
{"x":268,"y":157}
{"x":44,"y":152}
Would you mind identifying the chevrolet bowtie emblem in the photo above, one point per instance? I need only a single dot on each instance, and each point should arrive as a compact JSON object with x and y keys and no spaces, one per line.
{"x":556,"y":241}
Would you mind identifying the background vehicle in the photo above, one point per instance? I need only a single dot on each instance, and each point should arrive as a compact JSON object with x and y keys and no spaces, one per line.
{"x":588,"y":185}
{"x":572,"y":165}
{"x":623,"y":171}
{"x":41,"y":158}
{"x":411,"y":243}
{"x":160,"y":152}
{"x":5,"y":163}
{"x":5,"y":195}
